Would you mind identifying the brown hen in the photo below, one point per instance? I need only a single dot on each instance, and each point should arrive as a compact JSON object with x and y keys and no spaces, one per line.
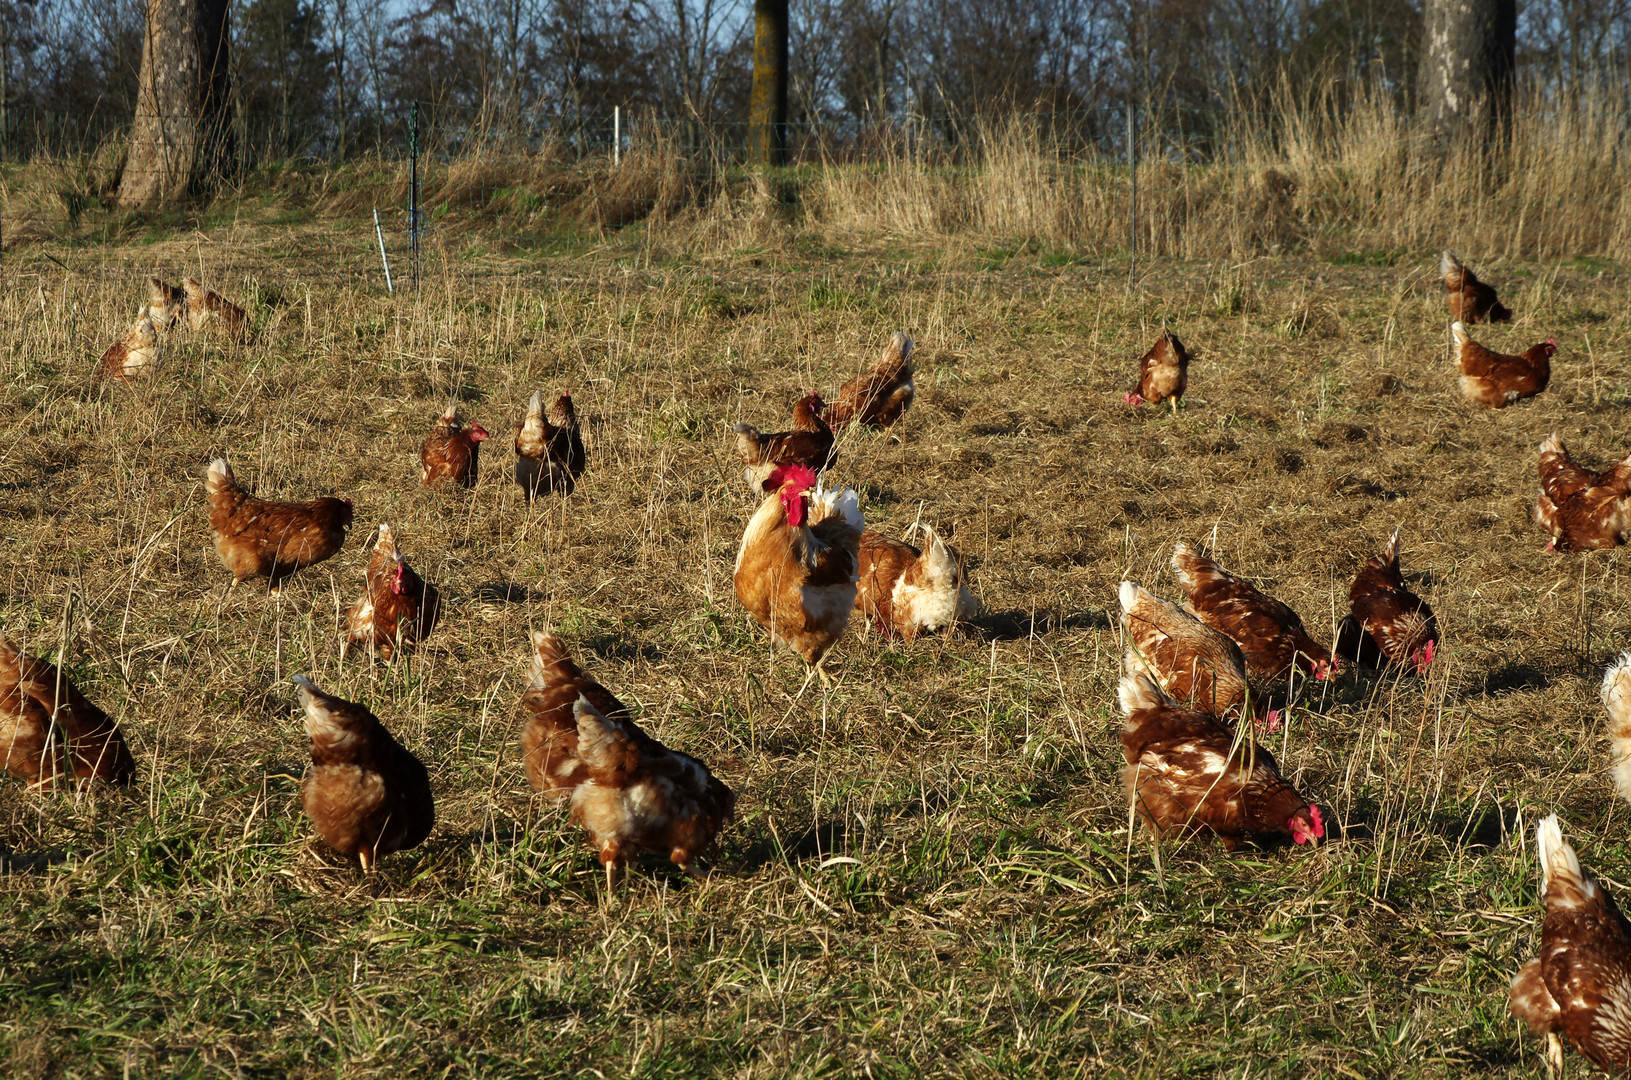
{"x":1194,"y":664}
{"x":49,"y":732}
{"x":642,"y":796}
{"x":1469,"y":300}
{"x":1187,"y":773}
{"x":367,"y":794}
{"x":907,"y":591}
{"x":1579,"y":986}
{"x":1582,"y":510}
{"x":797,"y":568}
{"x":1163,"y":373}
{"x":398,"y":607}
{"x":452,"y":451}
{"x":549,"y":739}
{"x":258,"y":538}
{"x":138,"y":353}
{"x":206,"y":307}
{"x":880,"y":395}
{"x":808,"y":443}
{"x":1387,"y":624}
{"x":549,"y":449}
{"x":1270,"y":635}
{"x":1495,"y":380}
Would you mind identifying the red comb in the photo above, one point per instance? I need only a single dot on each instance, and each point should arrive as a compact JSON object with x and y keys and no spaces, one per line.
{"x":802,"y":477}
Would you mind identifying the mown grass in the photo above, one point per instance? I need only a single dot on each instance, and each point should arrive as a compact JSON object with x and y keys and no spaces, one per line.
{"x":931,"y":873}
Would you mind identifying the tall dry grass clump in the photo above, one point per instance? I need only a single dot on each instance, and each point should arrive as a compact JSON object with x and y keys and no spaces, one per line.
{"x":1322,"y":172}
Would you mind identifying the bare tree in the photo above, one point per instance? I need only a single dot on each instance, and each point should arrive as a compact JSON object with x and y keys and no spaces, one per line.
{"x":1467,"y":60}
{"x":181,"y":136}
{"x":767,"y":109}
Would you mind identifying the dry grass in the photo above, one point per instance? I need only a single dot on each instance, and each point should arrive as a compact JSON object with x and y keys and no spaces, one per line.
{"x":931,"y":873}
{"x":1312,"y":175}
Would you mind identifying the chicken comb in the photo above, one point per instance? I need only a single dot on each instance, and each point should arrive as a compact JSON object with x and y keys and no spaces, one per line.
{"x":801,"y":476}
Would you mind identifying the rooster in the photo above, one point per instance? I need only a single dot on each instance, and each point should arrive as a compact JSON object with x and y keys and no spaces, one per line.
{"x":1616,"y":693}
{"x":1187,"y":773}
{"x":1470,"y":300}
{"x":549,"y":740}
{"x":1270,"y":635}
{"x":365,"y":792}
{"x":451,"y":450}
{"x":49,"y":731}
{"x":1195,"y":664}
{"x":1496,"y":380}
{"x":880,"y":395}
{"x":640,"y":795}
{"x":166,"y":304}
{"x":908,"y":591}
{"x":549,"y":449}
{"x":1388,"y":624}
{"x":1163,"y":373}
{"x":797,"y":569}
{"x":137,"y":354}
{"x":398,"y":607}
{"x":257,"y":538}
{"x":1582,"y":510}
{"x":205,"y":306}
{"x":1579,"y":986}
{"x":809,"y":443}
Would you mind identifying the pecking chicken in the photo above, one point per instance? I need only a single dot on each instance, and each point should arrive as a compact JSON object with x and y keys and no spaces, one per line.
{"x":549,"y":449}
{"x":1579,"y":986}
{"x":50,"y":732}
{"x":398,"y":607}
{"x":1469,"y":299}
{"x":1270,"y":635}
{"x":1193,"y":663}
{"x":626,"y":788}
{"x":1496,"y":380}
{"x":1163,"y":373}
{"x":549,"y":739}
{"x":206,"y":306}
{"x":908,"y":591}
{"x":1616,"y":693}
{"x":1186,"y":773}
{"x":809,"y":443}
{"x":797,"y":569}
{"x":367,"y":794}
{"x":451,"y":450}
{"x":880,"y":395}
{"x":1582,"y":510}
{"x":137,"y":354}
{"x":1388,"y":624}
{"x":166,"y":304}
{"x":642,"y":796}
{"x":257,"y":538}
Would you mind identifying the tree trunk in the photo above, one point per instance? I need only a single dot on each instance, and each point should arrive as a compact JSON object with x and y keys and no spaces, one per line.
{"x":767,"y":109}
{"x":1467,"y":59}
{"x":181,"y":137}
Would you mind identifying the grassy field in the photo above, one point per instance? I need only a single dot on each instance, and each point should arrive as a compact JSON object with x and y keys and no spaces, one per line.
{"x":931,"y":872}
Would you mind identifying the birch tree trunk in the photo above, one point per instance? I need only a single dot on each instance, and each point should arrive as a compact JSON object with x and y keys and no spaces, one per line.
{"x":182,"y":136}
{"x":1467,"y":58}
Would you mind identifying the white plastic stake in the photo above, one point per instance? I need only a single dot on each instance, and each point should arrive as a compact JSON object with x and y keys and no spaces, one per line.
{"x":617,"y":133}
{"x":380,"y":236}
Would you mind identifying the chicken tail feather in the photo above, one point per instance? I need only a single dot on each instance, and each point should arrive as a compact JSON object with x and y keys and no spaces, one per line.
{"x":1617,"y":700}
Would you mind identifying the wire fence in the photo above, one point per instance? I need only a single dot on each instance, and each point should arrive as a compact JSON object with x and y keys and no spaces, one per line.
{"x":1114,"y":180}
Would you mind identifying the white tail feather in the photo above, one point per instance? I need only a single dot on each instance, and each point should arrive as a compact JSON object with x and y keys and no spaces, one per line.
{"x":1138,"y":691}
{"x":1556,"y":856}
{"x":1616,"y":693}
{"x":1459,"y":332}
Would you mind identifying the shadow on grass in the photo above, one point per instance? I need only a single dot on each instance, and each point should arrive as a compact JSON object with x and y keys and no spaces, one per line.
{"x":503,"y":592}
{"x":1018,"y":625}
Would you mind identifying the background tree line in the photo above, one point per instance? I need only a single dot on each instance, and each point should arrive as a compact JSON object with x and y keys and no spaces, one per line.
{"x":324,"y":76}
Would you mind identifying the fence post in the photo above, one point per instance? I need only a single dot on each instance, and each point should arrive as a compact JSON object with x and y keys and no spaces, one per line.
{"x":379,"y":235}
{"x":617,"y":134}
{"x":1132,"y":216}
{"x":413,"y":193}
